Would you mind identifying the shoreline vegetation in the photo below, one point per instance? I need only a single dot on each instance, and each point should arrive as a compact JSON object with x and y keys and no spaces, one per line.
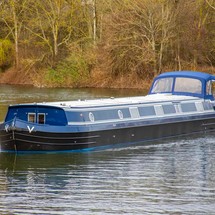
{"x":103,"y":43}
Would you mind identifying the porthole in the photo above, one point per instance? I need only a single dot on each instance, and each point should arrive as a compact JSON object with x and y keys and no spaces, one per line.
{"x":91,"y":117}
{"x":120,"y":114}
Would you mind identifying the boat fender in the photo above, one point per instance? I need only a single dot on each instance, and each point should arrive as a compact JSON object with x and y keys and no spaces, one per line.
{"x":30,"y":129}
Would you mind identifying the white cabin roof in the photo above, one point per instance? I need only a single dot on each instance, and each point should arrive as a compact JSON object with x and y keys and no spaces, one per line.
{"x":153,"y":98}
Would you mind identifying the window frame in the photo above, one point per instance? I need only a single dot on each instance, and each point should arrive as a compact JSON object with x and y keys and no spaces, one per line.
{"x":44,"y":118}
{"x":180,"y":87}
{"x":34,"y":117}
{"x":163,"y":85}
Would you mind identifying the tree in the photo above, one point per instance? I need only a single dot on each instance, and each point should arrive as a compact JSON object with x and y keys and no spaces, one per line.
{"x":194,"y":30}
{"x":13,"y":17}
{"x":139,"y":34}
{"x":54,"y":23}
{"x":90,"y":13}
{"x":211,"y":4}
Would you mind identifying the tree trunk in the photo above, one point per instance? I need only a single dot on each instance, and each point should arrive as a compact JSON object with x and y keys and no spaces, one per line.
{"x":94,"y":22}
{"x":15,"y":36}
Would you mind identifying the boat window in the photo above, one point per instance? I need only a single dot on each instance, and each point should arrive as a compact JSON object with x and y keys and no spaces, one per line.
{"x":147,"y":111}
{"x":41,"y":118}
{"x":169,"y":109}
{"x":188,"y":107}
{"x":207,"y":106}
{"x":110,"y":114}
{"x":76,"y":116}
{"x":213,"y":88}
{"x":32,"y":117}
{"x":209,"y":88}
{"x":162,"y":85}
{"x":189,"y":85}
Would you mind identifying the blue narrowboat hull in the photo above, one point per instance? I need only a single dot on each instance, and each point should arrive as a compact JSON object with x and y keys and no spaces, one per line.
{"x":19,"y":137}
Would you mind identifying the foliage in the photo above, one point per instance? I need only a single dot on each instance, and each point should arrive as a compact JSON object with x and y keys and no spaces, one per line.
{"x":69,"y":72}
{"x":139,"y":38}
{"x":135,"y":38}
{"x":6,"y":53}
{"x":152,"y":35}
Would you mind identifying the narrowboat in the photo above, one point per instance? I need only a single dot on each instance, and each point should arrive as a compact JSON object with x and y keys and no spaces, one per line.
{"x":178,"y":103}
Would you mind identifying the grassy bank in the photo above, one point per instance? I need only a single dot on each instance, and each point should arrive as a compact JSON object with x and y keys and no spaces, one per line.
{"x":95,"y":79}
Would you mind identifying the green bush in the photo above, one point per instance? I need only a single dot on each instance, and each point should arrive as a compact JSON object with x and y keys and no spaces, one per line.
{"x":70,"y":72}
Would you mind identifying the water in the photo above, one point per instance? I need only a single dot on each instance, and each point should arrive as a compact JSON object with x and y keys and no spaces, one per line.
{"x":174,"y":177}
{"x":24,"y":94}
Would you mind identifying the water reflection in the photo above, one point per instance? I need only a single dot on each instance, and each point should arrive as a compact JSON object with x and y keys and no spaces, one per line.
{"x":173,"y":178}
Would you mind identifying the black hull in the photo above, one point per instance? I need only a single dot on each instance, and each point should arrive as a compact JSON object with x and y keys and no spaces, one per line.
{"x":19,"y":140}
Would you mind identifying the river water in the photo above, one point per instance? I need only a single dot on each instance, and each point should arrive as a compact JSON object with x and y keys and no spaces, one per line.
{"x":173,"y":177}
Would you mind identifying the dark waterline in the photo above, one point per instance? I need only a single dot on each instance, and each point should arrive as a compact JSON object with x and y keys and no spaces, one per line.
{"x":173,"y":177}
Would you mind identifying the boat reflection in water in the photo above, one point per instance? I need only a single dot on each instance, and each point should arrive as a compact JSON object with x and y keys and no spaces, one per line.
{"x":138,"y":178}
{"x":174,"y":177}
{"x":178,"y":104}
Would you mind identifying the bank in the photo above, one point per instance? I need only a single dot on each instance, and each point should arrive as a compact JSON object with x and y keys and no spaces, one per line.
{"x":96,"y":79}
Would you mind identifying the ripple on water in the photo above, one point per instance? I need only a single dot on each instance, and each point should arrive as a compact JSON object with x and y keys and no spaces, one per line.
{"x":174,"y":178}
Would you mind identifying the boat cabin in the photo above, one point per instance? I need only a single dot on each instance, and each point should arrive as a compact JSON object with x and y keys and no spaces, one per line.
{"x":37,"y":113}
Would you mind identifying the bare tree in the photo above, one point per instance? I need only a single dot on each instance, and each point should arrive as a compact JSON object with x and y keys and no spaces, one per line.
{"x":54,"y":22}
{"x":90,"y":13}
{"x":210,"y":3}
{"x":195,"y":33}
{"x":13,"y":17}
{"x":141,"y":33}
